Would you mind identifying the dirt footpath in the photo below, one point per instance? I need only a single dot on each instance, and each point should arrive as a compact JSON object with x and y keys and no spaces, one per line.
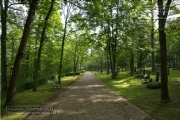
{"x":90,"y":99}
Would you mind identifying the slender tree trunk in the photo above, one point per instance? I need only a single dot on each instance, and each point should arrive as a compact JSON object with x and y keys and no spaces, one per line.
{"x":107,"y":54}
{"x":75,"y":54}
{"x":20,"y":54}
{"x":3,"y":45}
{"x":152,"y":40}
{"x":107,"y":63}
{"x":38,"y":60}
{"x":113,"y":59}
{"x":113,"y":52}
{"x":109,"y":50}
{"x":163,"y":13}
{"x":101,"y":63}
{"x":27,"y":58}
{"x":62,"y":49}
{"x":132,"y":64}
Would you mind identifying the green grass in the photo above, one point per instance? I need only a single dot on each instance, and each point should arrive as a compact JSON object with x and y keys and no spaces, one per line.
{"x":147,"y":99}
{"x":29,"y":98}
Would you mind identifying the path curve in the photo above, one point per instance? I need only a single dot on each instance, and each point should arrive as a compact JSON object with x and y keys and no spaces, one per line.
{"x":88,"y":98}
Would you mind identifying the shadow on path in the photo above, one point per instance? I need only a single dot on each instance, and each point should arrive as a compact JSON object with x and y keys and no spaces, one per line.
{"x":90,"y":99}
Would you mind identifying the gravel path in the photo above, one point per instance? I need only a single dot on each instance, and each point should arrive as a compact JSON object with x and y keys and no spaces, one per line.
{"x":90,"y":99}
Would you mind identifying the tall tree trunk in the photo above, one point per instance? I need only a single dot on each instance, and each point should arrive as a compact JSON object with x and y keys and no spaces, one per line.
{"x":38,"y":60}
{"x":132,"y":64}
{"x":62,"y":46}
{"x":20,"y":54}
{"x":113,"y":59}
{"x":113,"y":52}
{"x":152,"y":40}
{"x":101,"y":63}
{"x":3,"y":45}
{"x":163,"y":13}
{"x":107,"y":54}
{"x":107,"y":65}
{"x":109,"y":50}
{"x":107,"y":59}
{"x":164,"y":75}
{"x":75,"y":60}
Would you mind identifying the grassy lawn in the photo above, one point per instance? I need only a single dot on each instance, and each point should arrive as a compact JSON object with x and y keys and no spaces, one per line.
{"x":147,"y":99}
{"x":29,"y":98}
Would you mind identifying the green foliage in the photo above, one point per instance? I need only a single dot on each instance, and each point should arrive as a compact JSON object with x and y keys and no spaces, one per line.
{"x":42,"y":81}
{"x":83,"y":71}
{"x":71,"y":74}
{"x":88,"y":28}
{"x":28,"y":84}
{"x":153,"y":85}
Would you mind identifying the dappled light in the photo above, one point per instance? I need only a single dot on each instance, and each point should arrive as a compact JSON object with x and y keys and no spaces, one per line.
{"x":89,"y":98}
{"x":133,"y":90}
{"x":76,"y":55}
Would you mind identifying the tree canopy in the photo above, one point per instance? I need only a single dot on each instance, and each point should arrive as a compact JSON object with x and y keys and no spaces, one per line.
{"x":41,"y":40}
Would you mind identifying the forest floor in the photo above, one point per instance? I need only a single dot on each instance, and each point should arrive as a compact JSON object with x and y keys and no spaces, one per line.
{"x":88,"y":98}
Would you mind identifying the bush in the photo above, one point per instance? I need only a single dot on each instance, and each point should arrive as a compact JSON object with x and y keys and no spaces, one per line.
{"x":153,"y":85}
{"x":28,"y":85}
{"x":78,"y":73}
{"x":71,"y":74}
{"x":82,"y":71}
{"x":53,"y":77}
{"x":145,"y":81}
{"x":42,"y":81}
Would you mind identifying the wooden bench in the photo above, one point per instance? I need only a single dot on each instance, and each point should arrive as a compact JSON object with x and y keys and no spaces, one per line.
{"x":56,"y":85}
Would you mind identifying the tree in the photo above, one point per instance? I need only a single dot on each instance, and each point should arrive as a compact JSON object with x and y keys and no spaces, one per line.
{"x":4,"y":9}
{"x":152,"y":35}
{"x":163,"y":13}
{"x":20,"y":54}
{"x":68,"y":11}
{"x":37,"y":62}
{"x":173,"y":43}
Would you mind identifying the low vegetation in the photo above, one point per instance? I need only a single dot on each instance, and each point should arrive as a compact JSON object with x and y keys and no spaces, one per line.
{"x":29,"y":98}
{"x":148,"y":100}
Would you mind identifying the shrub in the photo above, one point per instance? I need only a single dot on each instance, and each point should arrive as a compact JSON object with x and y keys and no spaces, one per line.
{"x":82,"y":71}
{"x":77,"y":73}
{"x":71,"y":74}
{"x":28,"y":85}
{"x":42,"y":81}
{"x":153,"y":85}
{"x":145,"y":81}
{"x":53,"y":77}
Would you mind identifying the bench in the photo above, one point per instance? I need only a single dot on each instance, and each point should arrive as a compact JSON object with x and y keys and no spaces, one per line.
{"x":55,"y":85}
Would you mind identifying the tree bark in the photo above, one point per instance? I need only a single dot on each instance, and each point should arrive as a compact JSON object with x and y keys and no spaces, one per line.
{"x":107,"y":63}
{"x":107,"y":53}
{"x":164,"y":75}
{"x":20,"y":54}
{"x":113,"y":59}
{"x":163,"y":13}
{"x":152,"y":41}
{"x":132,"y":64}
{"x":109,"y":49}
{"x":101,"y":62}
{"x":62,"y":46}
{"x":3,"y":45}
{"x":38,"y":60}
{"x":75,"y":60}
